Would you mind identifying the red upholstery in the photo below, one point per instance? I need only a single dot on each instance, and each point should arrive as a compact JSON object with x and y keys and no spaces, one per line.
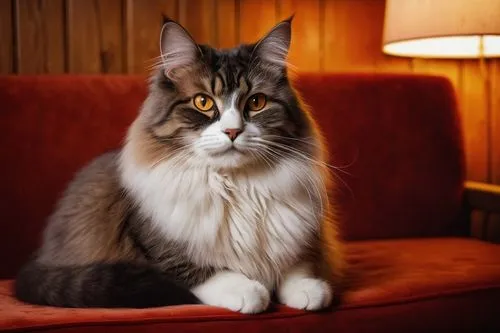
{"x":399,"y":139}
{"x":449,"y":285}
{"x":397,"y":142}
{"x":50,"y":127}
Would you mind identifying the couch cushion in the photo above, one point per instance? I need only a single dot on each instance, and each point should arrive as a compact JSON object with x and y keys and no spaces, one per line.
{"x":439,"y":284}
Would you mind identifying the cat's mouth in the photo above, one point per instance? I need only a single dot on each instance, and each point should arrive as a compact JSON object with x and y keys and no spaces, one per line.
{"x":230,"y":151}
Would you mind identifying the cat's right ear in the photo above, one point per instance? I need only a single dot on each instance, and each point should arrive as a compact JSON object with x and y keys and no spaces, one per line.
{"x":178,"y":49}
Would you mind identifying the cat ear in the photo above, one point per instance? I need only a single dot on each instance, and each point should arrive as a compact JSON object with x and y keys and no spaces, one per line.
{"x":178,"y":49}
{"x":274,"y":47}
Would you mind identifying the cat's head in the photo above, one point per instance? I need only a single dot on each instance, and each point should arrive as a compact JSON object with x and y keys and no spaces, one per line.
{"x":223,"y":108}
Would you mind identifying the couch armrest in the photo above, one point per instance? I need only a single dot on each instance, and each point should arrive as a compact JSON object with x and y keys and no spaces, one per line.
{"x":482,"y":202}
{"x":485,"y":197}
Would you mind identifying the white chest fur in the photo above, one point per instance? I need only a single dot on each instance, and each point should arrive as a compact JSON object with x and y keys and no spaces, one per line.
{"x":257,"y":223}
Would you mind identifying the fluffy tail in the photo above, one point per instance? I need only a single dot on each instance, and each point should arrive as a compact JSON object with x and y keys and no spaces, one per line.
{"x":111,"y":285}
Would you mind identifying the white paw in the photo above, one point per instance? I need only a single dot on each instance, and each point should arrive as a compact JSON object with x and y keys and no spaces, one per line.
{"x":235,"y":292}
{"x":251,"y":297}
{"x":306,"y":294}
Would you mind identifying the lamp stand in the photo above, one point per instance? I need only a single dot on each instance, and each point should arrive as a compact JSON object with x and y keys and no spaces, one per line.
{"x":485,"y":75}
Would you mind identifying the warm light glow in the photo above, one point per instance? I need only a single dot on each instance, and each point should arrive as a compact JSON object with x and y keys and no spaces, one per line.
{"x":442,"y":28}
{"x":446,"y":47}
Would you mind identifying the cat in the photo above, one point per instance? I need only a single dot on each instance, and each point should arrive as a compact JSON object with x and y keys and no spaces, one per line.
{"x":218,"y":196}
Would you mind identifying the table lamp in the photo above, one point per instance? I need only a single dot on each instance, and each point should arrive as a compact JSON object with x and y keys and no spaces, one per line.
{"x":447,"y":29}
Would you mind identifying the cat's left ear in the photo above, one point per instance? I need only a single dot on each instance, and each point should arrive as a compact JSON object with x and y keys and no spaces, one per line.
{"x":274,"y":47}
{"x":178,"y":49}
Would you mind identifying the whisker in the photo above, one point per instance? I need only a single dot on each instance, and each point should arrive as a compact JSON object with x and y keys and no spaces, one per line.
{"x":304,"y":140}
{"x":265,"y":158}
{"x":301,"y":153}
{"x":312,"y":182}
{"x":290,"y":152}
{"x":310,"y":142}
{"x":156,"y":62}
{"x":172,"y":154}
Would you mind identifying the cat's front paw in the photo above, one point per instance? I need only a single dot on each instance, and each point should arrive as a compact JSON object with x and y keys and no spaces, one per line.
{"x":250,"y":297}
{"x":235,"y":292}
{"x":306,"y":294}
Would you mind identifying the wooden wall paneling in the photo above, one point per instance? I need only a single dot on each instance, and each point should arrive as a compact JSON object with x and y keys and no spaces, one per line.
{"x":199,"y":17}
{"x":385,"y":62}
{"x":450,"y":69}
{"x":495,"y":121}
{"x":226,"y":35}
{"x":473,"y":109}
{"x":305,"y":50}
{"x":144,"y":20}
{"x":40,"y":36}
{"x":345,"y":48}
{"x":6,"y":38}
{"x":375,"y":12}
{"x":353,"y":37}
{"x":111,"y":24}
{"x":94,"y":37}
{"x":83,"y":37}
{"x":256,"y":18}
{"x":337,"y":43}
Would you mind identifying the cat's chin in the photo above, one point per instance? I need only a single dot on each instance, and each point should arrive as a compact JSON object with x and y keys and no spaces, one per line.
{"x":232,"y":158}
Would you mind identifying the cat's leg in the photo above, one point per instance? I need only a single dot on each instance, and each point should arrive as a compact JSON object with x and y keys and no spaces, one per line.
{"x":300,"y":289}
{"x":233,"y":291}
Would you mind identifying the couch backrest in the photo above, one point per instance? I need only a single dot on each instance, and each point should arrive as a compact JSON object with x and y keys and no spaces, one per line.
{"x":396,"y":140}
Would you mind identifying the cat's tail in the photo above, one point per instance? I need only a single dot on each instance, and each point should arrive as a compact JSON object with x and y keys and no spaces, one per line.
{"x":107,"y":285}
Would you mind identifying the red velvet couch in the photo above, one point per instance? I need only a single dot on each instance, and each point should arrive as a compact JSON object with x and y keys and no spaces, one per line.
{"x":402,"y":201}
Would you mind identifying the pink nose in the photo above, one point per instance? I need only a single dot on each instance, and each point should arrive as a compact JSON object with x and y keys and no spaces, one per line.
{"x":232,"y":133}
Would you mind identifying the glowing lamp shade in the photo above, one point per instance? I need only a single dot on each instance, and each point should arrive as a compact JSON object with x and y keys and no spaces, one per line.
{"x":442,"y":28}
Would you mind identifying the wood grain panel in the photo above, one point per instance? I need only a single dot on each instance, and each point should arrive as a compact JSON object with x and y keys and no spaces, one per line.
{"x":103,"y":52}
{"x":450,"y":69}
{"x":6,"y":38}
{"x":305,"y":52}
{"x":198,"y":17}
{"x":83,"y":52}
{"x":110,"y":22}
{"x":473,"y":108}
{"x":494,"y":95}
{"x":384,"y":62}
{"x":40,"y":36}
{"x":256,"y":18}
{"x":353,"y":37}
{"x":226,"y":35}
{"x":144,"y":20}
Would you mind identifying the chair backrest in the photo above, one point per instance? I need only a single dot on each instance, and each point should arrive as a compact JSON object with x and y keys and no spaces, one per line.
{"x":395,"y":139}
{"x":397,"y":142}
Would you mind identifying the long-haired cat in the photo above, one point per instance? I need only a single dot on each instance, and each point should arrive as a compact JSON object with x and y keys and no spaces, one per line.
{"x":218,"y":196}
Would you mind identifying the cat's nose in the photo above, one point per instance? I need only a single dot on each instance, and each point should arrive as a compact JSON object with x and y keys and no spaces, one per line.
{"x":233,"y":133}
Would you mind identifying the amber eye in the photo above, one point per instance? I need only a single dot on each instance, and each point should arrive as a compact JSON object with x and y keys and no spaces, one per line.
{"x":203,"y":102}
{"x":256,"y":102}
